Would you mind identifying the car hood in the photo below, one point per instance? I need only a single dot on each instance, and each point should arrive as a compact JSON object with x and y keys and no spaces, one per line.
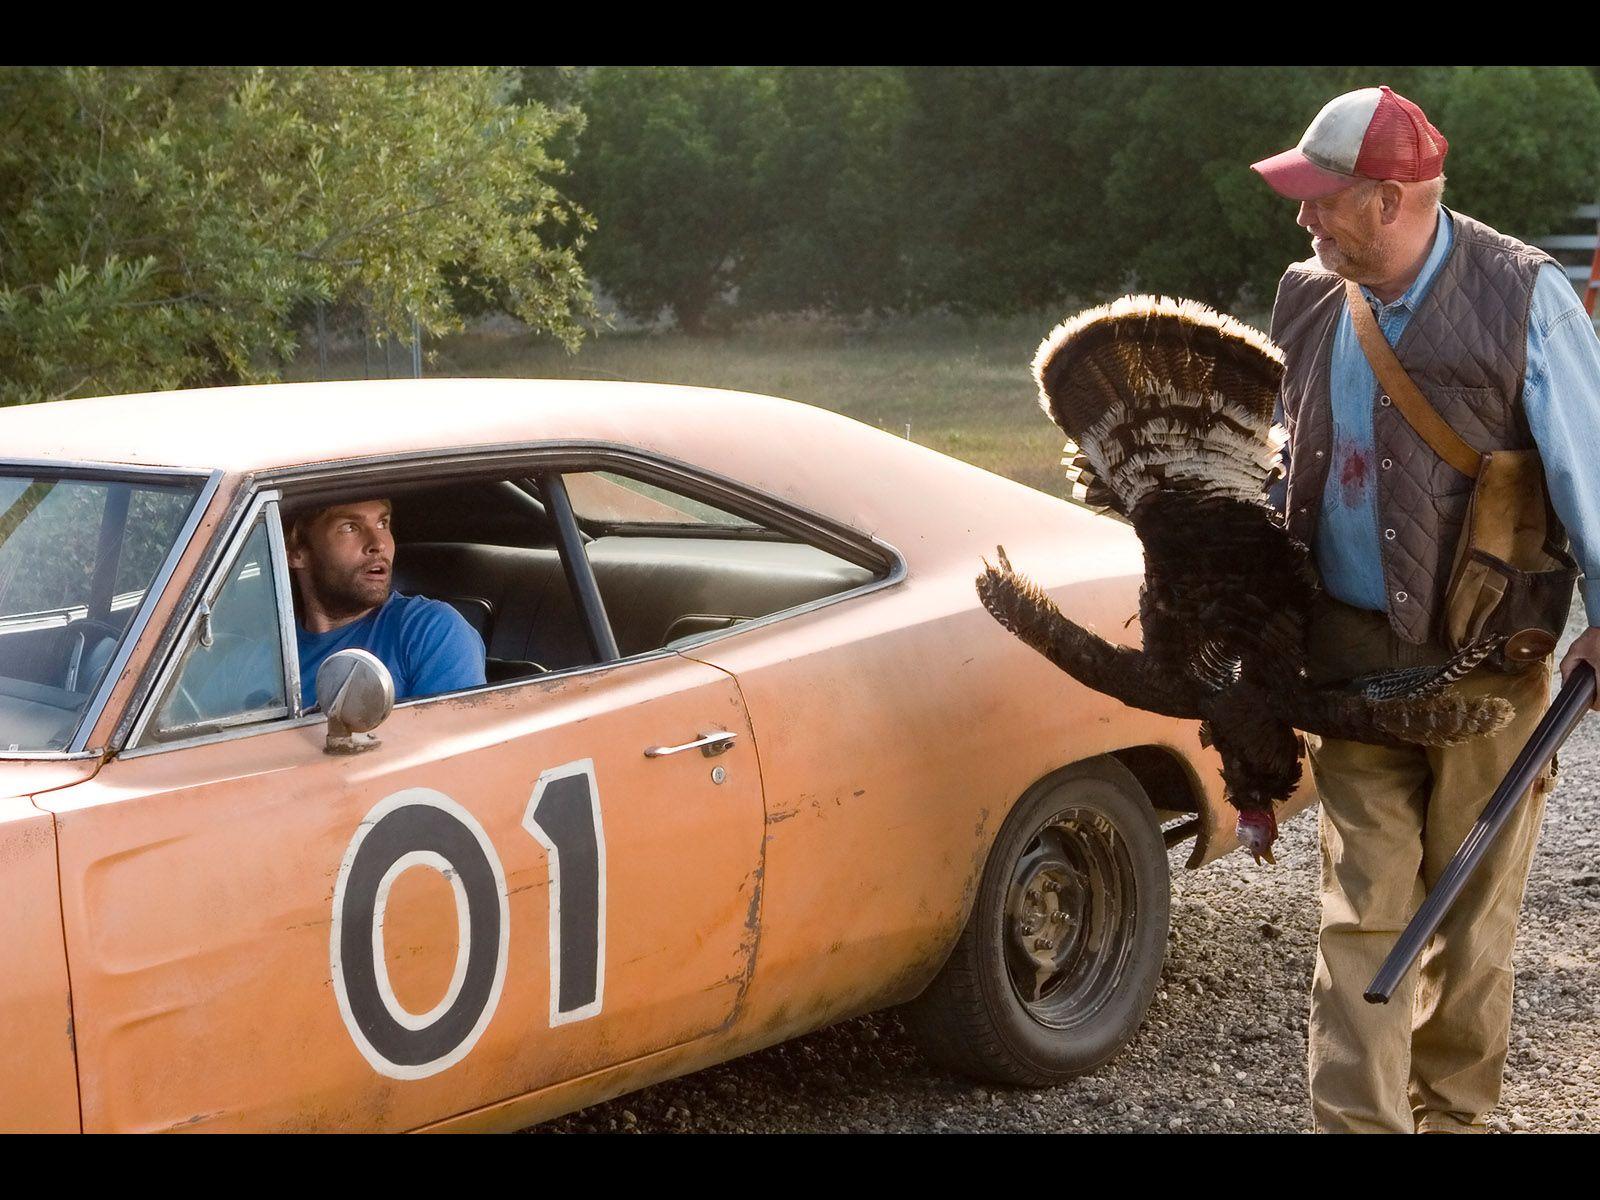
{"x":29,"y":777}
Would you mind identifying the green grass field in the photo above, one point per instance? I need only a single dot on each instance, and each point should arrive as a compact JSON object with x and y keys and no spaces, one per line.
{"x":963,"y":386}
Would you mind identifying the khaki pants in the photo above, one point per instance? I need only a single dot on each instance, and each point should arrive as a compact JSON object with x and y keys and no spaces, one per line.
{"x":1391,"y":819}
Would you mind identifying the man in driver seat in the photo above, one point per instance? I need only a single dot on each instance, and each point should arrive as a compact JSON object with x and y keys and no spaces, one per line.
{"x":341,"y":558}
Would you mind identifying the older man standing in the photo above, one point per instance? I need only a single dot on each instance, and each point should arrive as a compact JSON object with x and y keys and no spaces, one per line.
{"x":1492,"y":333}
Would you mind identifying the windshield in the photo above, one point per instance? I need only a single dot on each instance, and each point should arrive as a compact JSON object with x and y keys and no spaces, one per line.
{"x":76,"y":558}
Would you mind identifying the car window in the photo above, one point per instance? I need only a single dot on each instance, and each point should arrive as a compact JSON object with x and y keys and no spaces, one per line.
{"x":666,"y":582}
{"x":607,"y":498}
{"x":76,"y":558}
{"x":231,"y":672}
{"x":48,"y":539}
{"x":485,"y":606}
{"x":670,"y":565}
{"x":153,"y":519}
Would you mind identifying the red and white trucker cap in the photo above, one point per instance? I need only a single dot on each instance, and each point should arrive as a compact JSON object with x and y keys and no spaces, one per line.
{"x":1370,"y":133}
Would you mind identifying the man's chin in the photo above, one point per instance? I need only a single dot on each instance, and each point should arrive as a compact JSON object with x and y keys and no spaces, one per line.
{"x":1333,"y":260}
{"x":1357,"y":270}
{"x":357,"y":601}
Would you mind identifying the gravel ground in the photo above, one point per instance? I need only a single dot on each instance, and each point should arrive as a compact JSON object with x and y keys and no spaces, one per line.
{"x":1222,"y":1048}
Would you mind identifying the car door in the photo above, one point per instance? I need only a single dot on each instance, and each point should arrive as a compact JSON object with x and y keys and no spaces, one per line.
{"x":505,"y":893}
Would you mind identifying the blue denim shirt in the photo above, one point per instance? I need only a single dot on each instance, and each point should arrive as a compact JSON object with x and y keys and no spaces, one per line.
{"x":1560,"y":393}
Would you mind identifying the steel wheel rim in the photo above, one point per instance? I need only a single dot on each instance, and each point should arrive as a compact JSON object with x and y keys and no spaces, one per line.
{"x":1070,"y":918}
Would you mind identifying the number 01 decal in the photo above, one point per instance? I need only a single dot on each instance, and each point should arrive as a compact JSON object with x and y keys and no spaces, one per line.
{"x":419,"y":827}
{"x":564,"y":815}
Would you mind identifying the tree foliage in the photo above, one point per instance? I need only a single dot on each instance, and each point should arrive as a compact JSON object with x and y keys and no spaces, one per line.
{"x":829,"y":192}
{"x":161,"y":227}
{"x":1524,"y":144}
{"x":998,"y":189}
{"x":667,"y":165}
{"x":1005,"y":211}
{"x":1183,"y":214}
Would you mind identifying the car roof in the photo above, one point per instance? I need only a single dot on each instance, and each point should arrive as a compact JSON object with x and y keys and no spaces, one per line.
{"x":282,"y":425}
{"x":858,"y":475}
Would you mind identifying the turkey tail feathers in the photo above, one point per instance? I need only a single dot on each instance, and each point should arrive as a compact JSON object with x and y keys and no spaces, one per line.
{"x":1444,"y":719}
{"x":1157,"y":392}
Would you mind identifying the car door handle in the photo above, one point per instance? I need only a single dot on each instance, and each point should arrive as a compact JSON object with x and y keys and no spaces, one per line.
{"x":709,"y":744}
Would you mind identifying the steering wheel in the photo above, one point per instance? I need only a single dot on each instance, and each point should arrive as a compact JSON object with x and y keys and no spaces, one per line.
{"x":182,"y":708}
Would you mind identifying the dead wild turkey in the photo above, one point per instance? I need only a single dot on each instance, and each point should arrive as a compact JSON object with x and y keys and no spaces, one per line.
{"x":1168,"y":405}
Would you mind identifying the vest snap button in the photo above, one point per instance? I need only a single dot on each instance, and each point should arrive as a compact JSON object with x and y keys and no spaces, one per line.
{"x":1400,"y":597}
{"x":1383,"y":400}
{"x":1388,"y":535}
{"x":1387,"y":463}
{"x":1319,"y":453}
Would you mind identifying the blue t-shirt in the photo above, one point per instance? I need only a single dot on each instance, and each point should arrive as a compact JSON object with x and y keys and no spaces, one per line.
{"x":427,"y":645}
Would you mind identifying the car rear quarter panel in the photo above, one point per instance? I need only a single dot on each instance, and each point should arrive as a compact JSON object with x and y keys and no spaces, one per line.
{"x":895,"y":731}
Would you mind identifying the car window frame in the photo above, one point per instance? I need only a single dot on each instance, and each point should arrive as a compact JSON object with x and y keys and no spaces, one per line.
{"x":262,"y":508}
{"x":515,"y":461}
{"x":208,"y":481}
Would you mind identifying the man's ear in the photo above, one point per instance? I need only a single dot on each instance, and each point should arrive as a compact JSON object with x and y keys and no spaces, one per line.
{"x":294,"y":551}
{"x":1391,"y":198}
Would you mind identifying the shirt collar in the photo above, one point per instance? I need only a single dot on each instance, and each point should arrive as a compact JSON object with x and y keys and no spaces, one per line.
{"x":1444,"y":234}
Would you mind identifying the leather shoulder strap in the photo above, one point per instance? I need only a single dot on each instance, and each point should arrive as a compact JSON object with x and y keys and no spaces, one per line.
{"x":1407,"y":397}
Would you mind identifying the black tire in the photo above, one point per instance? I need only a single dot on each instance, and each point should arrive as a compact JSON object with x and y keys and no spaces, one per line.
{"x":974,"y":1018}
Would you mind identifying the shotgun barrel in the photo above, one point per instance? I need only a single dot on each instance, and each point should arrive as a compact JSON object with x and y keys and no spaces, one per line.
{"x":1574,"y":699}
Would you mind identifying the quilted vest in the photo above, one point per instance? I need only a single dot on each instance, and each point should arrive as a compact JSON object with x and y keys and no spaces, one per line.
{"x":1466,"y":347}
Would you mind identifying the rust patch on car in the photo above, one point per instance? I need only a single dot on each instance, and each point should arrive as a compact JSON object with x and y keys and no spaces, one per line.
{"x":32,"y":837}
{"x":194,"y":1120}
{"x":749,"y":941}
{"x":778,"y":1019}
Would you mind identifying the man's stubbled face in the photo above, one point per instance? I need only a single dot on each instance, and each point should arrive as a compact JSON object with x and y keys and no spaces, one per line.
{"x":1348,"y":235}
{"x":345,"y":556}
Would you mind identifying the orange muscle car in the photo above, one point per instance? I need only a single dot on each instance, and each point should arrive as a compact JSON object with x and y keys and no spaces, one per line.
{"x":750,"y":759}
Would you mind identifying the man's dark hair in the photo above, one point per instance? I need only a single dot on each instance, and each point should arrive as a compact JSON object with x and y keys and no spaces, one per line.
{"x":297,"y":518}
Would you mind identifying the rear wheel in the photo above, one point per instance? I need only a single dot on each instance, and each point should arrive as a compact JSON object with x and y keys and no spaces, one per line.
{"x":1063,"y":950}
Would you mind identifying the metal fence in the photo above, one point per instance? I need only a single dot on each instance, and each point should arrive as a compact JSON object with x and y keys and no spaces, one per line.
{"x":1574,"y":248}
{"x":344,"y":342}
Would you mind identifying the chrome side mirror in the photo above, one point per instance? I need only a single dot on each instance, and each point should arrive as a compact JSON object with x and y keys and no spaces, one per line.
{"x":357,"y":693}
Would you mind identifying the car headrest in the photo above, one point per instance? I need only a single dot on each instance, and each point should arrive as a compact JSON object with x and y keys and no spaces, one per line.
{"x":478,"y":612}
{"x":94,"y":662}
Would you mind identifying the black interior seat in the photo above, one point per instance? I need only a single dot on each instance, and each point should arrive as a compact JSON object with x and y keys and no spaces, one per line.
{"x":475,"y":609}
{"x":660,"y":590}
{"x":515,"y":597}
{"x":656,"y":590}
